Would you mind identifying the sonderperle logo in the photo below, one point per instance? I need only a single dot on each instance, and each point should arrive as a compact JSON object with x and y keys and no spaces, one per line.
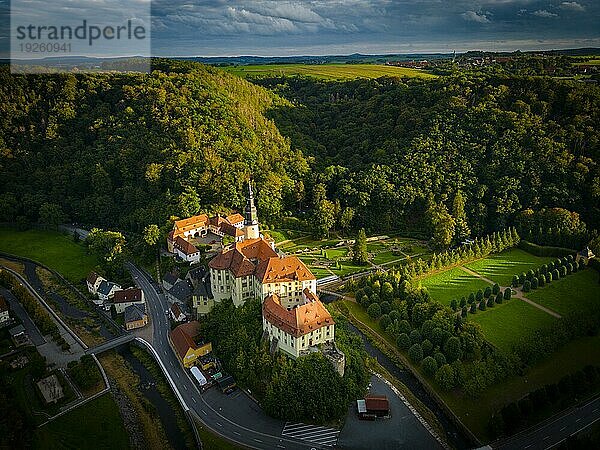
{"x":82,"y":36}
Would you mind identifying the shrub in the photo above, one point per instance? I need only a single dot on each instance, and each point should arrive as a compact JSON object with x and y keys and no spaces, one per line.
{"x":415,"y":352}
{"x":549,"y":277}
{"x":569,"y":267}
{"x":452,"y":349}
{"x":499,"y":297}
{"x":365,"y":301}
{"x":404,"y":326}
{"x":507,"y":294}
{"x":522,"y":278}
{"x":385,"y":307}
{"x":454,"y":304}
{"x":430,"y":366}
{"x":415,"y":337}
{"x":471,"y":298}
{"x":534,"y":283}
{"x":445,"y":378}
{"x":403,"y":341}
{"x":555,"y":274}
{"x":542,"y":280}
{"x":427,"y":347}
{"x":527,"y":286}
{"x":463,"y":302}
{"x":440,"y":358}
{"x":582,"y":265}
{"x":515,"y":281}
{"x":479,"y":295}
{"x":464,"y":312}
{"x":384,"y":321}
{"x":482,"y":306}
{"x":490,"y":302}
{"x":563,"y":271}
{"x":495,"y":288}
{"x":473,"y":308}
{"x":487,"y":292}
{"x":374,"y":310}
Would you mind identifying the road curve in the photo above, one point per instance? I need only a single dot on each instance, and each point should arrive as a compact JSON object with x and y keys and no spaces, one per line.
{"x":235,"y":417}
{"x":552,"y":432}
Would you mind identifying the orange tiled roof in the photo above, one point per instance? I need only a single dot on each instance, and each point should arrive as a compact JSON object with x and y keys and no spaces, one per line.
{"x":180,"y":226}
{"x":299,"y":321}
{"x":183,"y":336}
{"x":289,"y":268}
{"x":235,"y":218}
{"x":185,"y":246}
{"x":243,"y":257}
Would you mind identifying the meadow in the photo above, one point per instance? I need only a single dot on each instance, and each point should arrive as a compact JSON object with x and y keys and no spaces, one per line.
{"x":580,"y":290}
{"x":96,"y":424}
{"x":333,"y":72}
{"x":501,"y":267}
{"x":452,"y":284}
{"x":505,"y":324}
{"x":56,"y":250}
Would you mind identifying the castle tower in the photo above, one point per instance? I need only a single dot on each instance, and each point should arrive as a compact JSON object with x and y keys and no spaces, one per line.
{"x":251,"y":228}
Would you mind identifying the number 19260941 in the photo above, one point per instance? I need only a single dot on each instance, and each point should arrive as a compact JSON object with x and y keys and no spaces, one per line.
{"x":41,"y":47}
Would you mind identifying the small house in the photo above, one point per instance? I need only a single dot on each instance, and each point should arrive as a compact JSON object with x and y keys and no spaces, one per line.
{"x":93,"y":281}
{"x":185,"y":341}
{"x":176,"y":314}
{"x":181,"y":292}
{"x":135,"y":317}
{"x":169,"y":280}
{"x":106,"y":290}
{"x":127,"y":297}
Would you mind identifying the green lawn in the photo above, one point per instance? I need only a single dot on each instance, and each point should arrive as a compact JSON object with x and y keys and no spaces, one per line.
{"x":56,"y":250}
{"x":502,"y":266}
{"x":307,"y":242}
{"x":94,"y":425}
{"x":503,"y":325}
{"x":282,"y":235}
{"x":386,"y":257}
{"x":452,"y":284}
{"x":580,"y":289}
{"x":328,"y":71}
{"x":572,"y":357}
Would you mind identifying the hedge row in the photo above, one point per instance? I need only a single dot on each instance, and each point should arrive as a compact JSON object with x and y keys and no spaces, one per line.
{"x":539,"y":250}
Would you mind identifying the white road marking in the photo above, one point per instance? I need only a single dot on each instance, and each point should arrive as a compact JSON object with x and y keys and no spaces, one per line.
{"x":203,"y":412}
{"x":546,"y":437}
{"x":577,"y":420}
{"x":563,"y":429}
{"x":219,"y":423}
{"x":237,"y":433}
{"x":194,"y":399}
{"x":311,"y":433}
{"x":257,"y":440}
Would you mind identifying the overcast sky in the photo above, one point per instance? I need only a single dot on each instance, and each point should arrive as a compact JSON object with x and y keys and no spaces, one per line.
{"x":316,"y":27}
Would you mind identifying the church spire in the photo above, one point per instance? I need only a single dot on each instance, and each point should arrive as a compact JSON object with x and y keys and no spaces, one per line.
{"x":251,"y":216}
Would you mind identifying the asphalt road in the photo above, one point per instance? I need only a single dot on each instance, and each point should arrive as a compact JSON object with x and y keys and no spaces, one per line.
{"x":234,"y":416}
{"x":552,"y":432}
{"x":35,"y":335}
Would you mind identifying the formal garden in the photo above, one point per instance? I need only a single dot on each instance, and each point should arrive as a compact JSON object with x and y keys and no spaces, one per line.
{"x":333,"y":256}
{"x":475,"y":320}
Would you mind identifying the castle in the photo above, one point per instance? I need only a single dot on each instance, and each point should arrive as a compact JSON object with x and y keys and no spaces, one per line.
{"x":294,"y":319}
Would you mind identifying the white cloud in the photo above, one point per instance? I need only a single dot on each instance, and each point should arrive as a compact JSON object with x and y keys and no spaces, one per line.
{"x":472,"y":16}
{"x":544,"y":13}
{"x":572,"y":6}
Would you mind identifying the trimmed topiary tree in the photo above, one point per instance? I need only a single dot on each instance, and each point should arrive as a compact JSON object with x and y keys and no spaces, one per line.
{"x":507,"y":294}
{"x":515,"y":281}
{"x":463,"y":302}
{"x":549,"y":277}
{"x":440,"y":358}
{"x":473,"y":308}
{"x":445,"y":377}
{"x":415,"y":337}
{"x":534,"y":283}
{"x":471,"y":298}
{"x":427,"y":347}
{"x":374,"y":310}
{"x":542,"y":280}
{"x":403,"y":341}
{"x":415,"y":353}
{"x":487,"y":292}
{"x":479,"y":295}
{"x":430,"y":366}
{"x":555,"y":274}
{"x":490,"y":302}
{"x":563,"y":271}
{"x":463,"y":312}
{"x":454,"y":304}
{"x":482,"y":306}
{"x":499,"y":297}
{"x":495,"y":288}
{"x":527,"y":286}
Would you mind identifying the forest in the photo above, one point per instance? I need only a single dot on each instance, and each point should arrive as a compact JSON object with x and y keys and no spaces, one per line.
{"x":127,"y":151}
